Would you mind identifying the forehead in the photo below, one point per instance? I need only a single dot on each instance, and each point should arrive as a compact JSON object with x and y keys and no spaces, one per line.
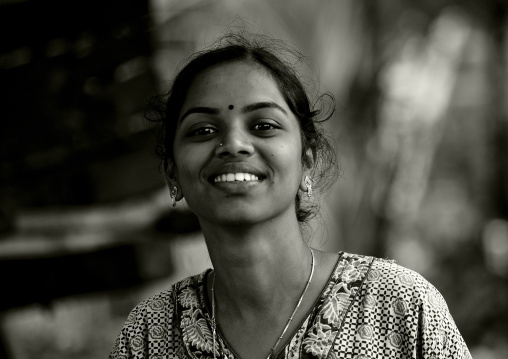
{"x":236,"y":83}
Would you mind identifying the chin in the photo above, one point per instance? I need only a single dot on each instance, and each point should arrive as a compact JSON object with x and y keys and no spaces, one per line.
{"x":237,"y":220}
{"x":234,"y":217}
{"x":243,"y":212}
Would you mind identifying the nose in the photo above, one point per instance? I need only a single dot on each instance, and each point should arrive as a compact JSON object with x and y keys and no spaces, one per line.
{"x":235,"y":142}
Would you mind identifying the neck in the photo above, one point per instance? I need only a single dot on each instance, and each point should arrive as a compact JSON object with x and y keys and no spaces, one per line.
{"x":257,"y":266}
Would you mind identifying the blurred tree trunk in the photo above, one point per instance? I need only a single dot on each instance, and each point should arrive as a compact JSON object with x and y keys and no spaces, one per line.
{"x":362,"y":226}
{"x":497,"y":125}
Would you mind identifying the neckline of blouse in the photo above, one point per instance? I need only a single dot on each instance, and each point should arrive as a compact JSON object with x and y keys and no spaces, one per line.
{"x":205,"y":305}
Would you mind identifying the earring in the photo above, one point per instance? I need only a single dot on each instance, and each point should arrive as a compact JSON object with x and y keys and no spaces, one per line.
{"x":308,"y":183}
{"x":174,"y":192}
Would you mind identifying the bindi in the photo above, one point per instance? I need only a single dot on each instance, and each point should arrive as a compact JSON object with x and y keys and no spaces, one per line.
{"x":231,"y":107}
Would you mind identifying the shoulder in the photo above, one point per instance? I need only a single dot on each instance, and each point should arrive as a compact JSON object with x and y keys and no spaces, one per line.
{"x":386,"y":277}
{"x":383,"y":288}
{"x":165,"y":300}
{"x":397,"y":303}
{"x":152,"y":320}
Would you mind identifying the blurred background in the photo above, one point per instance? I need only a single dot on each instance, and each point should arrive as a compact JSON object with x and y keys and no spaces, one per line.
{"x":86,"y":226}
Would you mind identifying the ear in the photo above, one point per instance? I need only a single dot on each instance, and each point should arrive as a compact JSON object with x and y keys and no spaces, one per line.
{"x":171,"y":177}
{"x":308,"y":164}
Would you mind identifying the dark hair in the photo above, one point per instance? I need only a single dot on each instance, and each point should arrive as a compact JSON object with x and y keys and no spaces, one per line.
{"x":164,"y":109}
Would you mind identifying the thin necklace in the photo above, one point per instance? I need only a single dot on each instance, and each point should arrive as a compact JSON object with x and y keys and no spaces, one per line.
{"x":270,"y":355}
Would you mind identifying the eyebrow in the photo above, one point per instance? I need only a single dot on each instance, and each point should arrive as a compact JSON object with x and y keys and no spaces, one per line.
{"x":260,"y":105}
{"x":207,"y":110}
{"x":246,"y":109}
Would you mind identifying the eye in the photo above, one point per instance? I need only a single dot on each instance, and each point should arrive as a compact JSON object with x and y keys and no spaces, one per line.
{"x":202,"y":131}
{"x":264,"y":127}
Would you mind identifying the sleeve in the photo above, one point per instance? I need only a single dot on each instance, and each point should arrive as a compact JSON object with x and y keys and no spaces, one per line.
{"x":438,"y":334}
{"x":131,"y":342}
{"x":149,"y":331}
{"x":401,"y":315}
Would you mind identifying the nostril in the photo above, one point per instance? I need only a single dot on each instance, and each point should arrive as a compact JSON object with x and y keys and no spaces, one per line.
{"x":233,"y":149}
{"x":234,"y":143}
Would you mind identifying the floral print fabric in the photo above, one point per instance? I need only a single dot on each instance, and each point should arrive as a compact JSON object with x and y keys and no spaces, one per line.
{"x":370,"y":308}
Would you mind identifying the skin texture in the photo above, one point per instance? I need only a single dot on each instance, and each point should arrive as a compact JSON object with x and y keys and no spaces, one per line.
{"x":253,"y":237}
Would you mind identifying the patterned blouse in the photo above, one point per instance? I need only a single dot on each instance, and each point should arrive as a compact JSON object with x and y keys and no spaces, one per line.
{"x":370,"y":308}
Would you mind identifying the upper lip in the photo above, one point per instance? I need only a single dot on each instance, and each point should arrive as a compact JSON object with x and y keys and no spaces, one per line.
{"x":235,"y":167}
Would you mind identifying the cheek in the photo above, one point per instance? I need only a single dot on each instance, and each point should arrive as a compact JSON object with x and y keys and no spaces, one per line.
{"x":187,"y":174}
{"x":183,"y":166}
{"x":290,"y":159}
{"x":189,"y":162}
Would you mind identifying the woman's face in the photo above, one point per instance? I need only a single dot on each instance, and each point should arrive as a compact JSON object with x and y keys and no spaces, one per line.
{"x":238,"y":147}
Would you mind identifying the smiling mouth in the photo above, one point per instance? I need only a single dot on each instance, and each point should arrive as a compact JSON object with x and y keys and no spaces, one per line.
{"x":235,"y":177}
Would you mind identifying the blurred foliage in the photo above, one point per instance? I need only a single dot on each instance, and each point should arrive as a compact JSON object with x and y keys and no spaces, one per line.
{"x":421,"y":130}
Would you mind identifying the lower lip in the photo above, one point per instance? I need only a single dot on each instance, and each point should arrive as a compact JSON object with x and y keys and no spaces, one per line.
{"x":236,"y":187}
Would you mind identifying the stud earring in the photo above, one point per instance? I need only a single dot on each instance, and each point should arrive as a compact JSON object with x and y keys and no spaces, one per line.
{"x":174,"y":192}
{"x":308,"y":183}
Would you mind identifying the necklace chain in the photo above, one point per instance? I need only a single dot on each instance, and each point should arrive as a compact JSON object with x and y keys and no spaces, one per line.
{"x":270,"y":355}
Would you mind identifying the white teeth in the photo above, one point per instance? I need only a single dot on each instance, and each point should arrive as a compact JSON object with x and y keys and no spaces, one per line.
{"x":231,"y":177}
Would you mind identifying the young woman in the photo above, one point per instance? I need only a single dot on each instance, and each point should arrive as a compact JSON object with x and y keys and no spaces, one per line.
{"x":241,"y":142}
